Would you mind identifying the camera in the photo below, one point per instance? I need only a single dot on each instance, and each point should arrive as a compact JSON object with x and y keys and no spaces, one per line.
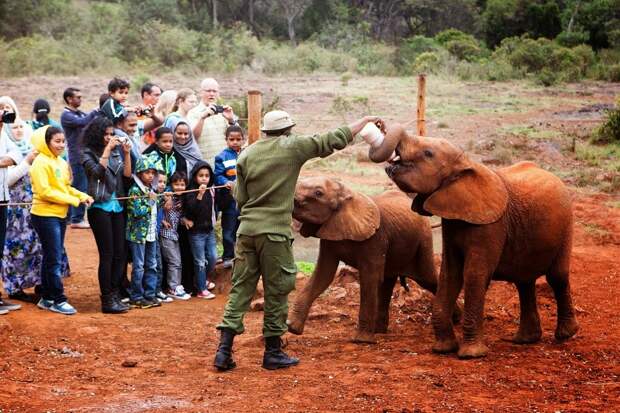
{"x":218,"y":109}
{"x":8,"y":117}
{"x":146,"y":111}
{"x":122,"y":139}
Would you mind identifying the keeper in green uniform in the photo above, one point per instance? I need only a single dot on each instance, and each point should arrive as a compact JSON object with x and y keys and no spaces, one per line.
{"x":267,"y":173}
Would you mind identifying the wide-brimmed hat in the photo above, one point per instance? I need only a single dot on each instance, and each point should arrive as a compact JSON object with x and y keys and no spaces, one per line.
{"x":276,"y":120}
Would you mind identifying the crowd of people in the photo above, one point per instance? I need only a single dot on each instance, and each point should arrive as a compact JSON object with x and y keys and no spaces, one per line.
{"x":150,"y":181}
{"x":140,"y":176}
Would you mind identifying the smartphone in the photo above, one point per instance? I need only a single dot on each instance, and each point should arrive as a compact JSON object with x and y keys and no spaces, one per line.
{"x":8,"y":117}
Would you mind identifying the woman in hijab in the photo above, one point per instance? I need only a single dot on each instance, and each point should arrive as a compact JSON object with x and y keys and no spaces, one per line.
{"x":22,"y":255}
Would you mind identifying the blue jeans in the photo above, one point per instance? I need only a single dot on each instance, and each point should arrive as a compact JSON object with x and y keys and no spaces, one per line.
{"x":144,"y":270}
{"x":160,"y":268}
{"x":51,"y":232}
{"x":80,"y":182}
{"x":2,"y":229}
{"x":230,"y":225}
{"x":204,"y":251}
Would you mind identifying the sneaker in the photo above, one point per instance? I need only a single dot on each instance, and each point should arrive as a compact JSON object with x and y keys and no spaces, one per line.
{"x":143,"y":303}
{"x":3,"y":312}
{"x":20,"y":295}
{"x":163,"y":298}
{"x":210,"y":285}
{"x":44,"y":304}
{"x":125,"y":300}
{"x":5,"y":305}
{"x":63,"y":308}
{"x":179,"y":294}
{"x":81,"y":225}
{"x":206,"y":294}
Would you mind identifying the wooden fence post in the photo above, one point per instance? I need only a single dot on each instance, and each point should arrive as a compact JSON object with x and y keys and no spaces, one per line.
{"x":255,"y":108}
{"x":421,"y":129}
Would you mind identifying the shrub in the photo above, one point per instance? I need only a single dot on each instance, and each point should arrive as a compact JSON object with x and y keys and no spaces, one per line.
{"x":427,"y":62}
{"x":609,"y":131}
{"x":571,"y":39}
{"x":410,"y":48}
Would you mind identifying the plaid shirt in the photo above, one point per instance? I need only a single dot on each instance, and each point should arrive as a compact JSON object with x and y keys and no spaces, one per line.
{"x":172,"y":217}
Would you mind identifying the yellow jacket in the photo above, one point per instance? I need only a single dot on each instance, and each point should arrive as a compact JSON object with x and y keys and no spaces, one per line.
{"x":51,"y":181}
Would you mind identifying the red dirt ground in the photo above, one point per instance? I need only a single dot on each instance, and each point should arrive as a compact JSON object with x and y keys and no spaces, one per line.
{"x":60,"y":364}
{"x":53,"y":363}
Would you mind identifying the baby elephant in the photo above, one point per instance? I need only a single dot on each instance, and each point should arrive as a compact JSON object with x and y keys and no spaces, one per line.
{"x":379,"y":236}
{"x":512,"y":224}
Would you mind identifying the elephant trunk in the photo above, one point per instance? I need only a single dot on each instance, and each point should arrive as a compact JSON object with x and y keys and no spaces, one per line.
{"x":395,"y":133}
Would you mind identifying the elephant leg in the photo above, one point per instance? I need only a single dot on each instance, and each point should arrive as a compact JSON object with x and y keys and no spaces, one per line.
{"x":558,"y":279}
{"x":529,"y":323}
{"x":322,"y":277}
{"x":424,"y":266}
{"x":448,"y":289}
{"x":371,"y":278}
{"x":477,"y":272}
{"x":383,"y":315}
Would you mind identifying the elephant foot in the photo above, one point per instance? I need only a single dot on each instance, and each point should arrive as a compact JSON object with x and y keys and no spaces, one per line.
{"x":364,"y":337}
{"x":527,"y":337}
{"x":472,"y":350}
{"x":295,"y":327}
{"x":566,"y":330}
{"x":445,"y":346}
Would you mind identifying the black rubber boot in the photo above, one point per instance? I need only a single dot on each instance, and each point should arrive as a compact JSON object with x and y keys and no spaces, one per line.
{"x":110,"y":306}
{"x":223,"y":358}
{"x":274,"y":358}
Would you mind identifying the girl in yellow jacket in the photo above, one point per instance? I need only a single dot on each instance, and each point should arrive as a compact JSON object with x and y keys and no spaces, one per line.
{"x":52,"y":195}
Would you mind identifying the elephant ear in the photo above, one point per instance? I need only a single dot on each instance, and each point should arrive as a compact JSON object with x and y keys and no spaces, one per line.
{"x":357,"y":218}
{"x":475,"y":194}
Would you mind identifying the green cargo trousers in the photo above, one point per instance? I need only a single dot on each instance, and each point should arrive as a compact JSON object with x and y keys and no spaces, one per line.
{"x":270,"y":255}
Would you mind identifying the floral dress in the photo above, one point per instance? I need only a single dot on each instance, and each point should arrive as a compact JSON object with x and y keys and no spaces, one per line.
{"x":22,"y":255}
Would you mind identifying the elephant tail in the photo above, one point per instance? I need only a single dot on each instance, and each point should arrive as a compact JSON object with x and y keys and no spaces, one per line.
{"x":403,"y":282}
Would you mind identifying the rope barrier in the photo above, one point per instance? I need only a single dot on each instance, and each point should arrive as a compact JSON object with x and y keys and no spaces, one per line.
{"x":122,"y":198}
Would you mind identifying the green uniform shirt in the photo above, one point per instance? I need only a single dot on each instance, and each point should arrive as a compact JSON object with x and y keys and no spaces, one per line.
{"x":267,"y":173}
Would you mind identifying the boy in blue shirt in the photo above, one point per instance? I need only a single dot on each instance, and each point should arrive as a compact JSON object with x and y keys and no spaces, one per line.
{"x":226,"y":174}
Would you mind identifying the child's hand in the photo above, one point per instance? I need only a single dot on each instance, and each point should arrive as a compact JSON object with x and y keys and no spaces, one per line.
{"x":88,"y":201}
{"x":166,"y":224}
{"x":127,"y":147}
{"x":201,"y":191}
{"x":152,"y":196}
{"x":188,"y":223}
{"x":230,"y":185}
{"x":31,"y":155}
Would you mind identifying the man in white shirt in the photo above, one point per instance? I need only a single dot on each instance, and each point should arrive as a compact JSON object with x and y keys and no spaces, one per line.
{"x":9,"y":156}
{"x":208,"y":126}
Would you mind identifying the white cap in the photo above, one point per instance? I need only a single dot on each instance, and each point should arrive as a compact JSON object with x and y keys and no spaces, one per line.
{"x":276,"y":120}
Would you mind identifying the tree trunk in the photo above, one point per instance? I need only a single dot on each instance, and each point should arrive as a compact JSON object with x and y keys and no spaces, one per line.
{"x":291,"y":30}
{"x":214,"y":14}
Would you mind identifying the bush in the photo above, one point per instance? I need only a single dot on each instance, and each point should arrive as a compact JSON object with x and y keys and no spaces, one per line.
{"x":571,"y":39}
{"x":410,"y":48}
{"x":427,"y":62}
{"x":609,"y":131}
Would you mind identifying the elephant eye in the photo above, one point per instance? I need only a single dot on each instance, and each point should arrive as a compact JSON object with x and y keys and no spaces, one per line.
{"x":428,"y":153}
{"x":318,"y":194}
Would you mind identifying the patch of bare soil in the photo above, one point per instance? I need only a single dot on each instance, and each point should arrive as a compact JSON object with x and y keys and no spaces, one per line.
{"x":57,"y":363}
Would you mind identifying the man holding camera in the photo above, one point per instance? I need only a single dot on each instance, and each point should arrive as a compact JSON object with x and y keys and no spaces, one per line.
{"x":209,"y":120}
{"x":9,"y":156}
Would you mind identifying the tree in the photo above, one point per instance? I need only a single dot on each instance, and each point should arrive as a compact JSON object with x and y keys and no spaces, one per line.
{"x":293,"y":9}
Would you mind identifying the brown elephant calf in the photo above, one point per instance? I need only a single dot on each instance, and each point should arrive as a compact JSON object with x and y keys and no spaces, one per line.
{"x":514,"y":224}
{"x":379,"y":236}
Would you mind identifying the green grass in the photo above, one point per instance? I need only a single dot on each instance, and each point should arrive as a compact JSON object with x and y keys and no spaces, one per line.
{"x":366,"y":189}
{"x":305,"y":267}
{"x":345,"y":162}
{"x":528,"y":131}
{"x":603,"y":156}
